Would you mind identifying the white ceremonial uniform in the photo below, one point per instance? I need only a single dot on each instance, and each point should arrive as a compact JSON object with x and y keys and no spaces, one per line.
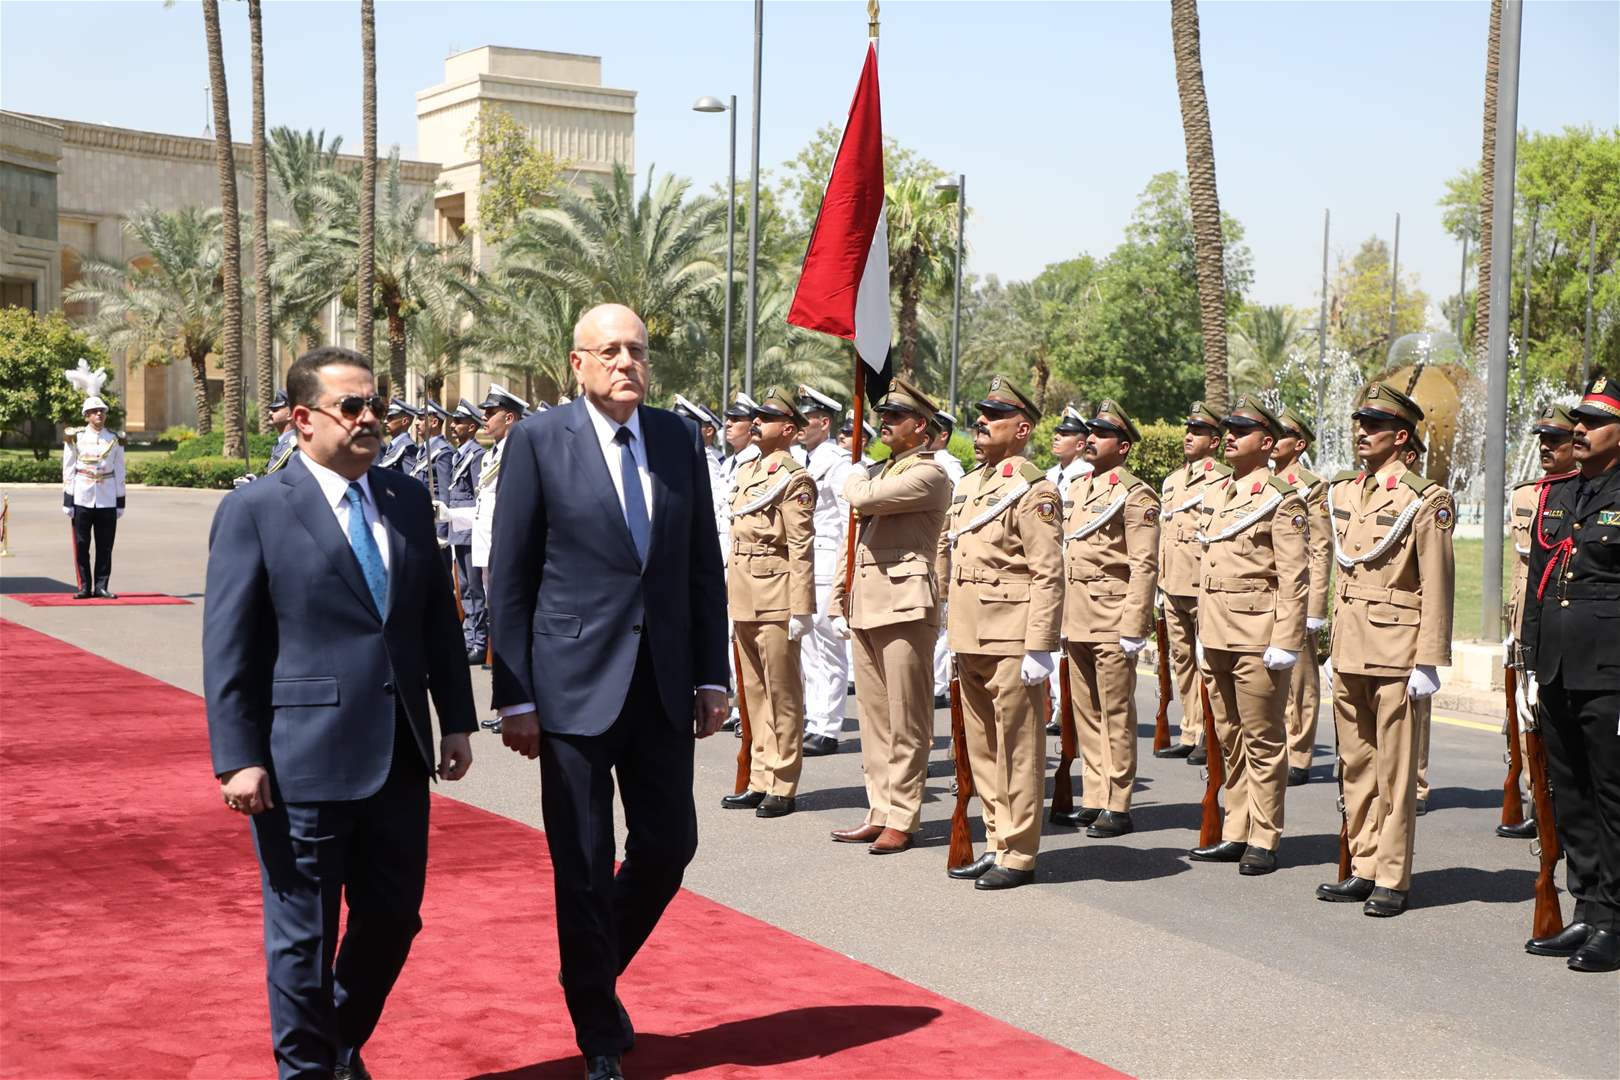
{"x":93,"y":470}
{"x":1062,"y":476}
{"x":480,"y":516}
{"x":822,"y":655}
{"x":942,"y":651}
{"x":722,"y":494}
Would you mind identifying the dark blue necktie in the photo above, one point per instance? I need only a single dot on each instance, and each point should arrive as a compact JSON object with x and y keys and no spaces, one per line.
{"x":635,"y":503}
{"x":365,"y":548}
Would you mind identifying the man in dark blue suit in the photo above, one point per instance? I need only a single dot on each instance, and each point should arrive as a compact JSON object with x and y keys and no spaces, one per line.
{"x":608,"y":620}
{"x":328,"y":625}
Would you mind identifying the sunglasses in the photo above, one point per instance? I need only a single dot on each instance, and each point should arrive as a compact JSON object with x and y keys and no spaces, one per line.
{"x":352,"y":405}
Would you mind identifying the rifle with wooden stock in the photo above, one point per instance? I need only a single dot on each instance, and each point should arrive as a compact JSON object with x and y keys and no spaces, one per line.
{"x":1063,"y":783}
{"x":745,"y":752}
{"x":1209,"y":828}
{"x":961,"y":850}
{"x":1547,"y":919}
{"x":1161,"y":723}
{"x":1344,"y":824}
{"x":1512,"y":807}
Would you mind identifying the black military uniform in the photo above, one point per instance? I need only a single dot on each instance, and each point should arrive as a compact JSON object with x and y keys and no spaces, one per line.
{"x":1571,"y":641}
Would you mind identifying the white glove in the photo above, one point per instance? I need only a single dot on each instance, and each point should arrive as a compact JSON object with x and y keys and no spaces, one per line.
{"x":1423,"y":683}
{"x":1313,"y":624}
{"x":120,"y":512}
{"x":68,"y":510}
{"x":944,"y":612}
{"x":1130,"y":646}
{"x":1198,"y":654}
{"x":1531,"y":690}
{"x":441,"y":513}
{"x":1327,"y":671}
{"x":1037,"y":667}
{"x":243,"y":481}
{"x":1507,"y":650}
{"x":840,"y":626}
{"x":798,"y":626}
{"x":1277,"y":659}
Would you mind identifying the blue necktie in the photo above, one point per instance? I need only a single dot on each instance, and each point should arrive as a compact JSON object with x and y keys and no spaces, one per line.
{"x":635,"y":503}
{"x":365,"y":549}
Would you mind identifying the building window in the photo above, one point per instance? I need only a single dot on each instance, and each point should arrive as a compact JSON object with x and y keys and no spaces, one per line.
{"x":19,"y":292}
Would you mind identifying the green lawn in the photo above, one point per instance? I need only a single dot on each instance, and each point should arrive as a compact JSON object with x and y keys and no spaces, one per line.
{"x":1470,"y":566}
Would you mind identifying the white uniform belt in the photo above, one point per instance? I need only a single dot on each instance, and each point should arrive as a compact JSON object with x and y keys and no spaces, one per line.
{"x":94,"y":474}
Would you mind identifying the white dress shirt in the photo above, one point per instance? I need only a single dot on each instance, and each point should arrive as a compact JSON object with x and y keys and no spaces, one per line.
{"x":336,"y":490}
{"x":606,"y":429}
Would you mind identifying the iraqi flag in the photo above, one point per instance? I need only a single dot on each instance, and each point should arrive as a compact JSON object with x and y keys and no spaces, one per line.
{"x":844,"y":285}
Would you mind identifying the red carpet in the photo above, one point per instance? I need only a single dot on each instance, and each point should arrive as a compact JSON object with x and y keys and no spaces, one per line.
{"x":65,"y":599}
{"x":130,"y":932}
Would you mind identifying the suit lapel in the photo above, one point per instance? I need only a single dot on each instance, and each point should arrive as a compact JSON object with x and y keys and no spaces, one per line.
{"x":309,"y":505}
{"x":592,"y":468}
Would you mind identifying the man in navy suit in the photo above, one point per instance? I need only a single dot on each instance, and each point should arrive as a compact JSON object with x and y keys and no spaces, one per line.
{"x":329,"y":623}
{"x":608,"y":619}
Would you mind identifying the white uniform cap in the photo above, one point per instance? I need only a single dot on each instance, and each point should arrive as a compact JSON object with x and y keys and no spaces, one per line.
{"x":93,"y":402}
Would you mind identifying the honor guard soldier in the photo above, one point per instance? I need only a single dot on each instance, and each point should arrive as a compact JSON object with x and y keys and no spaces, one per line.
{"x":1571,"y":649}
{"x":1006,"y":599}
{"x":1068,"y":444}
{"x":708,"y":427}
{"x":846,"y":437}
{"x":286,"y":434}
{"x":1255,"y":582}
{"x":770,"y":582}
{"x":1554,"y":428}
{"x":502,"y":409}
{"x":1111,"y":567}
{"x":737,"y":435}
{"x":1179,"y":555}
{"x":433,"y":449}
{"x":826,"y":663}
{"x":93,"y":496}
{"x":1422,"y":707}
{"x":462,"y":494}
{"x":1305,"y":682}
{"x":939,"y":446}
{"x":1391,"y":631}
{"x":892,"y":613}
{"x":401,"y":452}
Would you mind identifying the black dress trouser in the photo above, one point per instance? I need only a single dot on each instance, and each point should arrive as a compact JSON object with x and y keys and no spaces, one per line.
{"x":1583,"y":766}
{"x":603,"y":917}
{"x":101,"y":523}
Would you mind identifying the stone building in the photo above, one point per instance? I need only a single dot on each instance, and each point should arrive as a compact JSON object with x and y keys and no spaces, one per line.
{"x":67,"y":187}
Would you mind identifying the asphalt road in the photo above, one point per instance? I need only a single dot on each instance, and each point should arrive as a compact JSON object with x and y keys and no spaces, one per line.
{"x":1124,"y":950}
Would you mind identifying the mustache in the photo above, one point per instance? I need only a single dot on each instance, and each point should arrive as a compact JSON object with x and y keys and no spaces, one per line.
{"x":980,"y":429}
{"x":1578,"y":440}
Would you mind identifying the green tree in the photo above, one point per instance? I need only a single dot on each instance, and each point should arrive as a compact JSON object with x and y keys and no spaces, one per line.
{"x":365,"y":263}
{"x":922,"y":251}
{"x":168,"y":305}
{"x":1262,"y":339}
{"x":301,"y":165}
{"x":34,"y":397}
{"x":1358,"y":306}
{"x":515,"y":174}
{"x":230,"y":234}
{"x":263,"y":319}
{"x":523,"y":330}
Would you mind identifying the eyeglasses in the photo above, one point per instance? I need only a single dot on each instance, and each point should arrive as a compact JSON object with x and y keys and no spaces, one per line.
{"x":352,"y":405}
{"x":610,"y":355}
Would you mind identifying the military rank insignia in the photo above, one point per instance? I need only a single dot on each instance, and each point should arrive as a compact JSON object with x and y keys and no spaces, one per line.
{"x":1608,"y":517}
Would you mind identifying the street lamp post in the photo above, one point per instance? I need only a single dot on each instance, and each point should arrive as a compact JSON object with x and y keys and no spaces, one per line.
{"x":753,"y":207}
{"x":959,"y":185}
{"x":714,"y":105}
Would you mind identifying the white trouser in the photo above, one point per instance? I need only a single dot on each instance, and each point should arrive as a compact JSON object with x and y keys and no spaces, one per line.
{"x":824,"y":658}
{"x":942,"y":664}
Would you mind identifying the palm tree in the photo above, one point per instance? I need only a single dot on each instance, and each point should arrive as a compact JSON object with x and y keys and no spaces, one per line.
{"x":1487,"y":185}
{"x":365,"y":279}
{"x":300,"y":164}
{"x":437,"y":341}
{"x":922,"y":247}
{"x":170,"y":304}
{"x":654,"y":253}
{"x":1206,"y":207}
{"x":1264,"y":338}
{"x":231,"y":231}
{"x":263,"y":334}
{"x":525,"y":330}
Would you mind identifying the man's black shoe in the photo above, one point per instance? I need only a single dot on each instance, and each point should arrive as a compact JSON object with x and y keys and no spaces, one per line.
{"x":1600,"y":953}
{"x":1421,"y":807}
{"x":1225,"y":851}
{"x":1003,"y":877}
{"x":603,"y":1067}
{"x":1256,"y":861}
{"x":1054,"y":728}
{"x":1564,"y":943}
{"x":1384,"y":903}
{"x":731,"y":723}
{"x":1079,"y":818}
{"x":775,"y":806}
{"x":820,"y":745}
{"x":1296,"y":777}
{"x":1198,"y":756}
{"x":742,"y":800}
{"x":355,"y":1070}
{"x":942,"y":701}
{"x":1352,"y":890}
{"x":1178,"y":750}
{"x":83,"y":594}
{"x":476,"y":656}
{"x":105,"y":593}
{"x":1525,"y":830}
{"x":977,"y":868}
{"x":1111,"y":823}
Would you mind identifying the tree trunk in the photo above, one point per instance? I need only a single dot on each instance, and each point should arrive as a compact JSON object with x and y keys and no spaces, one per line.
{"x":435,"y":387}
{"x":1042,"y":372}
{"x":231,"y":227}
{"x":1206,"y":207}
{"x":199,"y":393}
{"x":1487,"y":186}
{"x":263,"y":336}
{"x":396,"y":347}
{"x":910,"y":296}
{"x":367,"y":271}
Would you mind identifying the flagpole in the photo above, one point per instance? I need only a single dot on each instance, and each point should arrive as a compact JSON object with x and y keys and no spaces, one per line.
{"x":858,"y":430}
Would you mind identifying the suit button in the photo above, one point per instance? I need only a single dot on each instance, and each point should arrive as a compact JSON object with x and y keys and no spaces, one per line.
{"x":1563,"y":603}
{"x":635,"y":629}
{"x":1577,"y":526}
{"x":388,"y":688}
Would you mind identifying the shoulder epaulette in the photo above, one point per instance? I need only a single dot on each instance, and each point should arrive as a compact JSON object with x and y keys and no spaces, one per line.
{"x":1528,"y":483}
{"x":1346,"y":474}
{"x":973,"y":470}
{"x":1221,"y":468}
{"x":1128,"y":478}
{"x":791,"y":464}
{"x":1281,"y":485}
{"x":1031,"y":472}
{"x":1417,"y":483}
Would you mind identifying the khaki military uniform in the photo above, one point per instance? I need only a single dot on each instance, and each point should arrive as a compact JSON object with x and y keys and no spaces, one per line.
{"x":1305,"y":680}
{"x":1006,"y":598}
{"x":1392,"y":543}
{"x":1111,"y":568}
{"x":1179,"y":555}
{"x":769,"y":578}
{"x":1256,"y":581}
{"x":893,"y":612}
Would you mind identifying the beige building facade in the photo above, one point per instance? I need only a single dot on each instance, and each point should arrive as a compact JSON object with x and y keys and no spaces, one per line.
{"x":67,"y":187}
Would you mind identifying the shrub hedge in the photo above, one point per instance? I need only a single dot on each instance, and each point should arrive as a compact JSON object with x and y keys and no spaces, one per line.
{"x":170,"y":471}
{"x":213,"y":445}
